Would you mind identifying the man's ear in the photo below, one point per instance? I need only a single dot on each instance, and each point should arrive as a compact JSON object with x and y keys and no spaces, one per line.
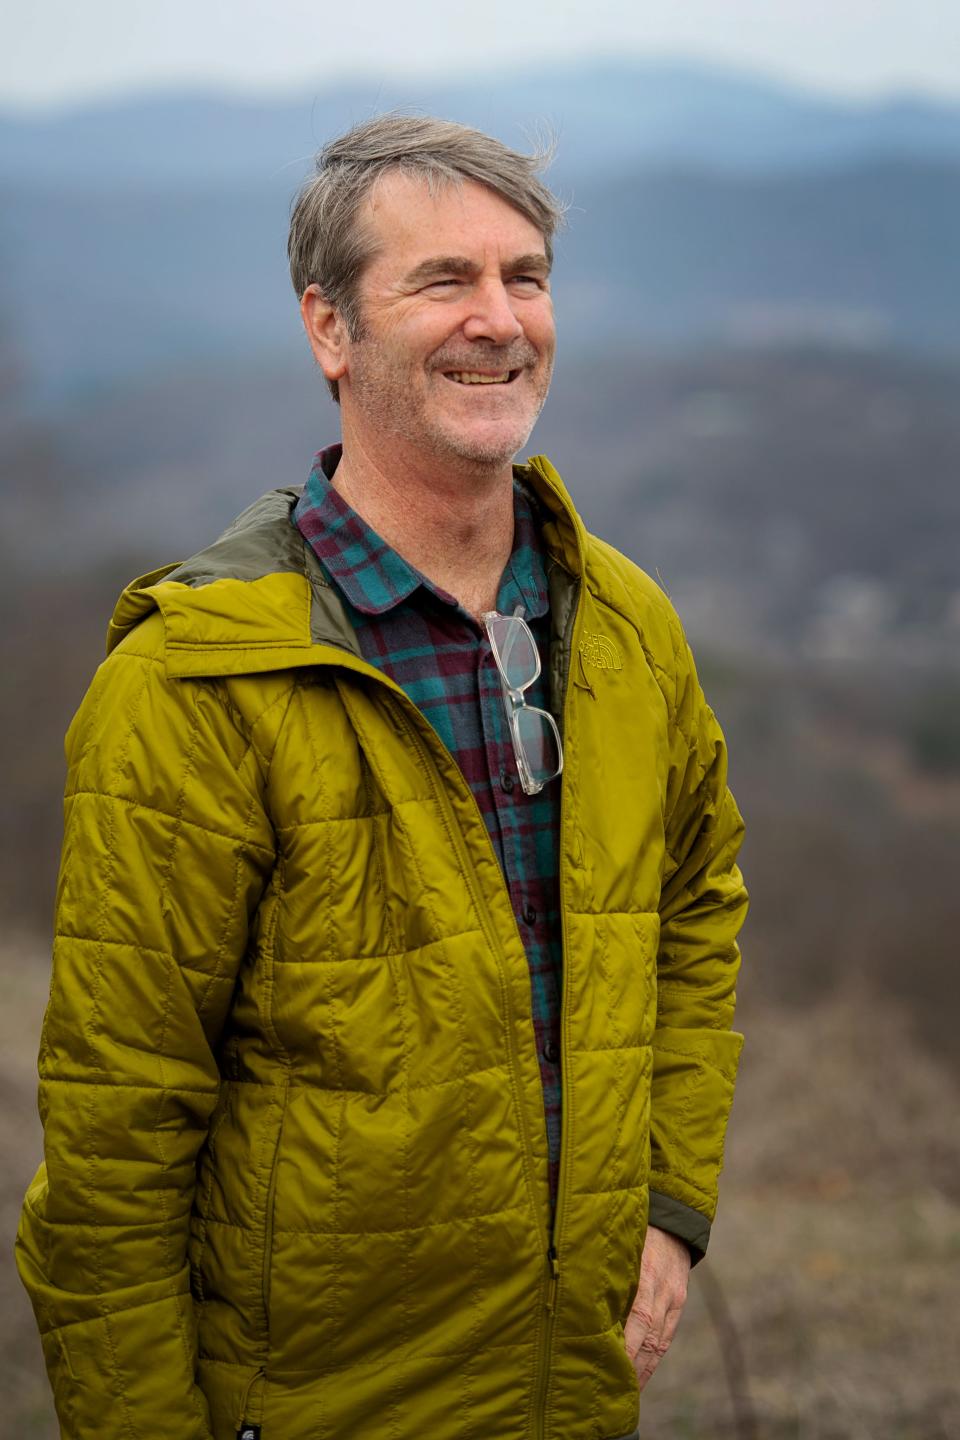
{"x":326,"y":332}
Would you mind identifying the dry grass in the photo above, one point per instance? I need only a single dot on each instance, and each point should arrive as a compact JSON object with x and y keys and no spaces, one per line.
{"x":838,"y":1243}
{"x":24,"y":1397}
{"x":837,"y":1252}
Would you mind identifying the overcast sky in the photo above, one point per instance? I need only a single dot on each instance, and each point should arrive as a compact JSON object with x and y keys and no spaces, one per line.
{"x":58,"y":51}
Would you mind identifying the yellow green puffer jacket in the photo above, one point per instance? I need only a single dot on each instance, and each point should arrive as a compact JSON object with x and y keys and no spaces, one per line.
{"x":296,"y":1166}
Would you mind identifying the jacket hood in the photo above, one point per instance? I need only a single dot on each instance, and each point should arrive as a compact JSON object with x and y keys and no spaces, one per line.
{"x":258,"y":599}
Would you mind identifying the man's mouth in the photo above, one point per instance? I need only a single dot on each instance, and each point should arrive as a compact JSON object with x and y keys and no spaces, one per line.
{"x":475,"y":377}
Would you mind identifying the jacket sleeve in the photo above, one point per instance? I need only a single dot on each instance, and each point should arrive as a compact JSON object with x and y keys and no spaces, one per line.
{"x":702,"y":906}
{"x":167,"y":847}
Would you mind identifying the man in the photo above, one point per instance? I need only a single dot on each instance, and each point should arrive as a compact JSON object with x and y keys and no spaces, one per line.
{"x":396,"y":951}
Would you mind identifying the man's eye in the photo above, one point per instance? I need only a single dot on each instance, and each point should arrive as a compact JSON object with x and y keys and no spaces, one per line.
{"x":528,"y":280}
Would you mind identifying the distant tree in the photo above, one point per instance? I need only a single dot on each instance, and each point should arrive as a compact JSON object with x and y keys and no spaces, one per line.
{"x":934,"y":733}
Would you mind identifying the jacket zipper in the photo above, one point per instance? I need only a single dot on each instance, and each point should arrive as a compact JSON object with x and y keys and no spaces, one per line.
{"x":553,"y":1251}
{"x":543,"y":1378}
{"x":553,"y":1256}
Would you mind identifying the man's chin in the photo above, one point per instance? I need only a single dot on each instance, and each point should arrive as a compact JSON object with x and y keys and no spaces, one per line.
{"x":488,"y":447}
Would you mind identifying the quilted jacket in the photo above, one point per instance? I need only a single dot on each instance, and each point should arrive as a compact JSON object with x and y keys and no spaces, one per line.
{"x":296,"y":1168}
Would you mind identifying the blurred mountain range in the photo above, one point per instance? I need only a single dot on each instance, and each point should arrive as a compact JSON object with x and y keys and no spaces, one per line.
{"x":608,"y":118}
{"x":705,"y":207}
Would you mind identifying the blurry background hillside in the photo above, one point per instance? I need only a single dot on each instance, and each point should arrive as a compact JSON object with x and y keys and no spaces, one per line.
{"x":757,"y":399}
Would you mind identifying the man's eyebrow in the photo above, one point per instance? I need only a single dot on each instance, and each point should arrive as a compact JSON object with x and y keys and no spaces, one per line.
{"x":536,"y":264}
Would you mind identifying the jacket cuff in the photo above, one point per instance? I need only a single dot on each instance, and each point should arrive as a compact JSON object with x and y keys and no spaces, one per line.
{"x":682,"y":1221}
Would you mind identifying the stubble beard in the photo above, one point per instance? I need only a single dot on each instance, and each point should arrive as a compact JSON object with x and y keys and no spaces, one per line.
{"x":382,"y":385}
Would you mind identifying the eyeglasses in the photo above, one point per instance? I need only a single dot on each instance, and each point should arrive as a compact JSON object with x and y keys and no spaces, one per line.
{"x":536,"y":739}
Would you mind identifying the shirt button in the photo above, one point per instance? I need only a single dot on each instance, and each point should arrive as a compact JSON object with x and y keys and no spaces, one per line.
{"x":529,"y":914}
{"x":507,"y":781}
{"x":551,"y":1052}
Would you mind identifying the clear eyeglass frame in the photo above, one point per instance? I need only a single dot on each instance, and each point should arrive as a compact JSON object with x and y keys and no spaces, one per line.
{"x":534,"y":732}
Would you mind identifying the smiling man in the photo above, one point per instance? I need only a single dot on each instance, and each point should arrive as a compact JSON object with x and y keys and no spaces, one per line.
{"x":388,"y":1056}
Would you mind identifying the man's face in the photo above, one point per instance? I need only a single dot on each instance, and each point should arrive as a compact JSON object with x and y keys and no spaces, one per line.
{"x":457,"y":341}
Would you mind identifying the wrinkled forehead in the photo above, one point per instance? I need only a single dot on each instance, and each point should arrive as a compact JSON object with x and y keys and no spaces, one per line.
{"x":410,"y":217}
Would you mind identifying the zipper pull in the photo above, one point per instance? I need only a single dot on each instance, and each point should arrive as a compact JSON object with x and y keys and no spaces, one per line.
{"x":554,"y":1279}
{"x":243,"y":1429}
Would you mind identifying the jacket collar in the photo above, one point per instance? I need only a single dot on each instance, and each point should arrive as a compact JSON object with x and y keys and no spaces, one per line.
{"x":257,"y":599}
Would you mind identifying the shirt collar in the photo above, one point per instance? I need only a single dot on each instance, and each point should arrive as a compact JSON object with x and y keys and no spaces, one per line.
{"x":524,"y":578}
{"x":374,"y":578}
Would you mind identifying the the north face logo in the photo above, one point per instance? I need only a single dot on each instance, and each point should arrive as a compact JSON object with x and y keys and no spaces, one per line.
{"x":249,"y":1432}
{"x":596,"y":649}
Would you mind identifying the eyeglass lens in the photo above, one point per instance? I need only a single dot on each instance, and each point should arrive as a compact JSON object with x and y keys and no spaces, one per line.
{"x":537,"y":736}
{"x":515,"y":649}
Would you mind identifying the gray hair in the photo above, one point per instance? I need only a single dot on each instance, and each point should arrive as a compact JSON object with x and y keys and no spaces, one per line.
{"x":327,"y":246}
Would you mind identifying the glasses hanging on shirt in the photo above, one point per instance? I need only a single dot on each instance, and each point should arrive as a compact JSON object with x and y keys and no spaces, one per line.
{"x":536,"y":739}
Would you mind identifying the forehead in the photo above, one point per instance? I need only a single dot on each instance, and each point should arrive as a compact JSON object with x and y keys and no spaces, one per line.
{"x":409,"y":224}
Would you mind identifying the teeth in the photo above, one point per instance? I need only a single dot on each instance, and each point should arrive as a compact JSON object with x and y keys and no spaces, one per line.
{"x":470,"y":377}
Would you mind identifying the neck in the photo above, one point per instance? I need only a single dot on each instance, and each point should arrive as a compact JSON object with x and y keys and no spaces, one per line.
{"x":453,"y":523}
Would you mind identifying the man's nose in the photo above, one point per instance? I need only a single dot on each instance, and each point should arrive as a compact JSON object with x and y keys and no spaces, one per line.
{"x":492,"y":316}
